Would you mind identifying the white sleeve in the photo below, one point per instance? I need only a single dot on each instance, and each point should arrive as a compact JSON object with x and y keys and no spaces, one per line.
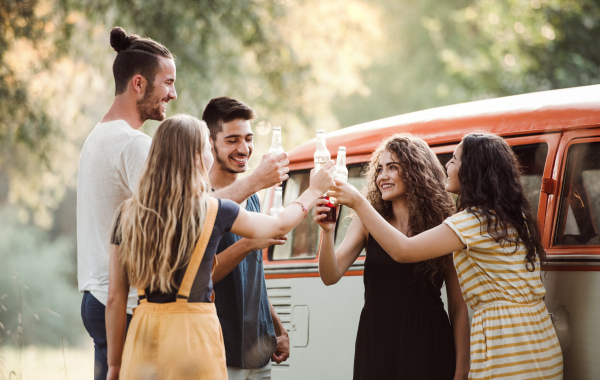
{"x":133,"y":157}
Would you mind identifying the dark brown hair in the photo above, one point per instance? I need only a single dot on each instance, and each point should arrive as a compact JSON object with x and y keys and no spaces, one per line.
{"x":491,"y":187}
{"x":223,"y":110}
{"x":135,"y":55}
{"x":424,"y":177}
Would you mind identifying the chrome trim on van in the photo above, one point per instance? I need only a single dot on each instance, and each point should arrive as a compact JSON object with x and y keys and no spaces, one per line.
{"x":573,"y":260}
{"x":304,"y":268}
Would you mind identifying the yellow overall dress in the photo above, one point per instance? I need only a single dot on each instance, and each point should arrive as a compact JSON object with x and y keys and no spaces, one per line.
{"x":177,"y":340}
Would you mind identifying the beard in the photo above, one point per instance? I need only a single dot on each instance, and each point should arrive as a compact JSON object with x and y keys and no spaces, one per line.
{"x":224,"y":164}
{"x":149,"y":107}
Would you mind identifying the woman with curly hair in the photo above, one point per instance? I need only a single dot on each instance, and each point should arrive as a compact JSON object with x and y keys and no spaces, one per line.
{"x":497,"y":253}
{"x":404,"y":332}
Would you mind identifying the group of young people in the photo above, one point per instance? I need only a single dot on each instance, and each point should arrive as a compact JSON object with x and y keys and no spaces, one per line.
{"x":166,"y":228}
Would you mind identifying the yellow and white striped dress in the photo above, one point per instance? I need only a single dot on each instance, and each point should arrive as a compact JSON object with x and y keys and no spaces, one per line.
{"x":512,"y":336}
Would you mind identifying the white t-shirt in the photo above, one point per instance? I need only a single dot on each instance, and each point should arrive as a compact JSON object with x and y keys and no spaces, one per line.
{"x":111,"y":162}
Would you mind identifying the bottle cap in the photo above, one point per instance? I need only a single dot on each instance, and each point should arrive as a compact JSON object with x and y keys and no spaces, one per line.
{"x":341,"y":148}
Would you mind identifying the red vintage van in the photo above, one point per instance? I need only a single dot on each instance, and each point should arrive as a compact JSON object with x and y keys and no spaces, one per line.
{"x":555,"y":134}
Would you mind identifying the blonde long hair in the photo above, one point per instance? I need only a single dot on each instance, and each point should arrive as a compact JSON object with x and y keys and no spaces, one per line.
{"x":173,"y":191}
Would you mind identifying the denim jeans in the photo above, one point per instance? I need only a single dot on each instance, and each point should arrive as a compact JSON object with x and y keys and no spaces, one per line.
{"x":92,"y":314}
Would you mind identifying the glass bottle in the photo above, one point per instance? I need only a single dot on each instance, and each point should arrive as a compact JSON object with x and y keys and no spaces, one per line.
{"x":277,"y":207}
{"x":322,"y":155}
{"x":340,"y":174}
{"x":341,"y":171}
{"x":276,"y":148}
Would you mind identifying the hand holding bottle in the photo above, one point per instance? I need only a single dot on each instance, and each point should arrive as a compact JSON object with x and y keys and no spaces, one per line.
{"x":322,"y":181}
{"x":322,"y":216}
{"x":346,"y":194}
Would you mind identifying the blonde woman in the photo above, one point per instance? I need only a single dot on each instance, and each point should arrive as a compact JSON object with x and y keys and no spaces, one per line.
{"x":164,"y":243}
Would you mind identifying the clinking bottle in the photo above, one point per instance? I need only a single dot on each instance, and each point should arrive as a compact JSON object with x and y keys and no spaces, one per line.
{"x":277,"y":207}
{"x":322,"y":155}
{"x":341,"y":174}
{"x":276,"y":147}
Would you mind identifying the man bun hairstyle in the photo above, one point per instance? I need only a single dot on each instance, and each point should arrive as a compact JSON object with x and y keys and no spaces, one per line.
{"x":135,"y":55}
{"x":223,"y":110}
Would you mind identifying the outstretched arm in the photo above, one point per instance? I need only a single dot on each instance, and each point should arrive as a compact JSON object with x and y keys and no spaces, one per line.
{"x":436,"y":242}
{"x":333,"y":264}
{"x":255,"y":225}
{"x":116,"y":312}
{"x":270,"y":172}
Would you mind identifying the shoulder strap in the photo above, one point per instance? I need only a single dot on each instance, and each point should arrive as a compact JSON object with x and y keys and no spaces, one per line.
{"x":192,"y":269}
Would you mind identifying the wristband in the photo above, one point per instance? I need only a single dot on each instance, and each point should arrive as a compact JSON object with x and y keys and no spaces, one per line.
{"x":303,"y":208}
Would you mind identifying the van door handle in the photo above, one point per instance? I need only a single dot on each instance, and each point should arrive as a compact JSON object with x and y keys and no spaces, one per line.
{"x":548,"y":185}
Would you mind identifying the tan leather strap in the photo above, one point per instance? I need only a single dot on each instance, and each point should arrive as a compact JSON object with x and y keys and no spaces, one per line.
{"x":192,"y":269}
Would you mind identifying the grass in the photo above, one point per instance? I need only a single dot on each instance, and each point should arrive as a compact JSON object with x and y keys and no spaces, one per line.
{"x":46,"y":363}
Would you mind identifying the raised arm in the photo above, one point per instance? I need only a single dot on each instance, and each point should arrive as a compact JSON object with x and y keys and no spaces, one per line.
{"x":333,"y":264}
{"x":255,"y":225}
{"x":436,"y":242}
{"x":270,"y":172}
{"x":116,"y":312}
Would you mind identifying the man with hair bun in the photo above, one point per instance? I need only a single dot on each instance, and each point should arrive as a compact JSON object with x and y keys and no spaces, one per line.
{"x":111,"y":161}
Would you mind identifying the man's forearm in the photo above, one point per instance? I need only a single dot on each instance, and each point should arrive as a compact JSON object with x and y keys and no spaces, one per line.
{"x":239,"y":191}
{"x":230,"y":258}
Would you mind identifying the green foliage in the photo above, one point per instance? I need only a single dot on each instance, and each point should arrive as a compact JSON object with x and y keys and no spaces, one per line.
{"x":497,"y":48}
{"x":38,"y":298}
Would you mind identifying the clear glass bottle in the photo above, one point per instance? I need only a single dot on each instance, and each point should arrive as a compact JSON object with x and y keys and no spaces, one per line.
{"x":277,"y":207}
{"x":341,"y":171}
{"x":322,"y":155}
{"x":276,"y":147}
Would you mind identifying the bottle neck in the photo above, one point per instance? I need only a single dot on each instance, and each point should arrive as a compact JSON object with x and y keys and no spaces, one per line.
{"x":276,"y":142}
{"x":341,"y":159}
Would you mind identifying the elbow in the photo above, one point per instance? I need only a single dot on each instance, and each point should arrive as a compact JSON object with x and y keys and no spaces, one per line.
{"x":328,"y":280}
{"x":400,"y":258}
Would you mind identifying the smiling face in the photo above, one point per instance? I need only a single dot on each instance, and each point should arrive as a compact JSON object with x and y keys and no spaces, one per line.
{"x":452,"y":167}
{"x":233,"y":146}
{"x":389,"y":177}
{"x":153,"y":105}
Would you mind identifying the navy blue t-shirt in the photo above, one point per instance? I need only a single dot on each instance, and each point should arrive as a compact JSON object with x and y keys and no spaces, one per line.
{"x":243,"y":307}
{"x":202,"y":287}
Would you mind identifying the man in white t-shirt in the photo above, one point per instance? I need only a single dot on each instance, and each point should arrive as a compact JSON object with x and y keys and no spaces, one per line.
{"x":111,"y":162}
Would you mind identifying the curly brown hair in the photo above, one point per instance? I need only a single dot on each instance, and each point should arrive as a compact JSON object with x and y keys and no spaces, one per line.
{"x":428,"y":202}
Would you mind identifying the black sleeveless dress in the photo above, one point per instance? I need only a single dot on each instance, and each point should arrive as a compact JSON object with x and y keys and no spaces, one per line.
{"x":404,"y":331}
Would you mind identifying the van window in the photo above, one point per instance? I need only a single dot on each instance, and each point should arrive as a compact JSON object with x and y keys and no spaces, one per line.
{"x":532,"y":159}
{"x":579,"y":207}
{"x":303,"y":241}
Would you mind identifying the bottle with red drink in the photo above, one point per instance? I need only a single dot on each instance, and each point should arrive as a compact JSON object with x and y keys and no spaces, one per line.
{"x":321,"y":156}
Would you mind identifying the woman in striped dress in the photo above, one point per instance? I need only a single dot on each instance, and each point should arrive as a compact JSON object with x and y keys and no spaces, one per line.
{"x":497,"y":251}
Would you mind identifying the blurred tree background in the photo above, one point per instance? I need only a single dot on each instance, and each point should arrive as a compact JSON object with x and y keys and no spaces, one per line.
{"x":301,"y":64}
